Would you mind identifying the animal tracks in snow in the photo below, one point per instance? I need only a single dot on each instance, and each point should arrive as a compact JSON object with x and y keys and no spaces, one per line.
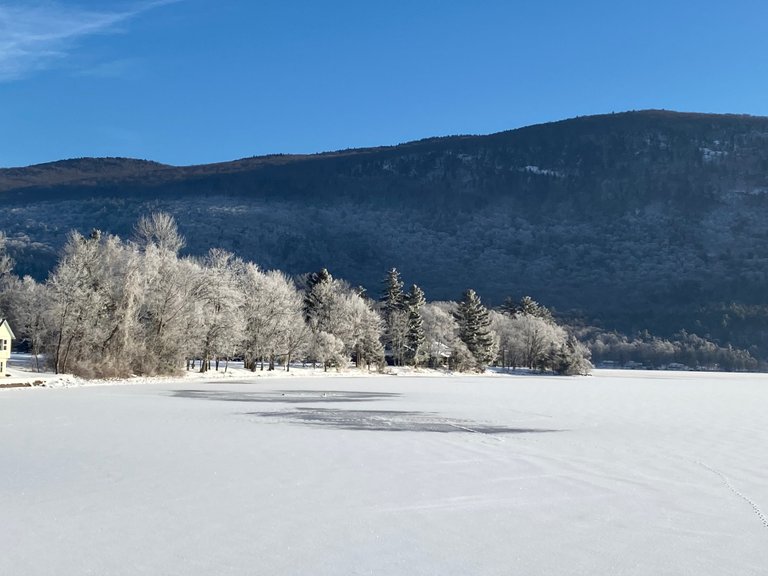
{"x":755,"y":508}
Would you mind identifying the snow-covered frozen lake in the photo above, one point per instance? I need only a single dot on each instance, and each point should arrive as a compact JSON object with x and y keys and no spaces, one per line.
{"x":622,"y":473}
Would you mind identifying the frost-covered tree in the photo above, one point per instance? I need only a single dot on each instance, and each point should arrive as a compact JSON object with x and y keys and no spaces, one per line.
{"x":94,"y":302}
{"x":328,"y":350}
{"x":529,"y":336}
{"x":121,"y":284}
{"x":461,"y":359}
{"x":395,"y":335}
{"x":316,"y":295}
{"x":393,"y":298}
{"x":219,"y":300}
{"x":333,"y":307}
{"x":538,"y":336}
{"x":27,"y":305}
{"x":475,"y":328}
{"x":317,"y":310}
{"x":531,"y":340}
{"x":297,"y":341}
{"x":440,"y":333}
{"x":570,"y":358}
{"x":526,"y":305}
{"x":505,"y":336}
{"x":170,"y":288}
{"x":272,"y":312}
{"x":359,"y":327}
{"x":395,"y":316}
{"x":6,"y":262}
{"x":7,"y":279}
{"x":169,"y":312}
{"x":416,"y":352}
{"x":71,"y":305}
{"x":159,"y":229}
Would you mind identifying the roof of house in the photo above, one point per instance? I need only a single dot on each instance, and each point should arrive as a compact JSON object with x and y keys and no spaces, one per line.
{"x":4,"y":321}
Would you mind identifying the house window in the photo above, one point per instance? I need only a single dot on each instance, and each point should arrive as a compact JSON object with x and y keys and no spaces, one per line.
{"x":3,"y":345}
{"x":1,"y":368}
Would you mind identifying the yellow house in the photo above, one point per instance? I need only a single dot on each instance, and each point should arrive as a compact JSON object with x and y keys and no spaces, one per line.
{"x":6,"y":335}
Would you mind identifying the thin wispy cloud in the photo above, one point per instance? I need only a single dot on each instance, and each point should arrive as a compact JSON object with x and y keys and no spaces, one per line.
{"x":36,"y":37}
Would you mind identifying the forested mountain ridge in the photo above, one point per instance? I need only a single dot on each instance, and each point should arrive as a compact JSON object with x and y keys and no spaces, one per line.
{"x":641,"y":220}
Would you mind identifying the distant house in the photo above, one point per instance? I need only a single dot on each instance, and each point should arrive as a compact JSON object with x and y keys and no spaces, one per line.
{"x":6,"y":335}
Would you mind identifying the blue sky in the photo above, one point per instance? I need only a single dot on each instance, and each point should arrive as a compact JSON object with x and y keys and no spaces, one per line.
{"x":194,"y":81}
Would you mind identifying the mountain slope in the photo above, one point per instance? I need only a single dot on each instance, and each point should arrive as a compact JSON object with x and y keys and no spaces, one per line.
{"x":642,"y":220}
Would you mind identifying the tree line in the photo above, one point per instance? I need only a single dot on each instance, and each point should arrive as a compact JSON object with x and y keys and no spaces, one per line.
{"x":684,"y":350}
{"x":114,"y":307}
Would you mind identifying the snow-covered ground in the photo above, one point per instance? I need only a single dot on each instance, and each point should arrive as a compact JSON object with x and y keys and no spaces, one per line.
{"x":621,"y":473}
{"x":23,"y":371}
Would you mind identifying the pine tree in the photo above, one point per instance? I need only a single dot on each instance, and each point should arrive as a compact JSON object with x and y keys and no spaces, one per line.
{"x":393,"y":298}
{"x":509,"y":306}
{"x":570,"y":358}
{"x":475,"y":328}
{"x":527,"y":306}
{"x":395,"y":316}
{"x":415,"y":338}
{"x":317,"y":286}
{"x":315,"y":306}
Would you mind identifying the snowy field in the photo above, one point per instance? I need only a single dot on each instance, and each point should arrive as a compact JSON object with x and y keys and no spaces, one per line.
{"x":621,"y":473}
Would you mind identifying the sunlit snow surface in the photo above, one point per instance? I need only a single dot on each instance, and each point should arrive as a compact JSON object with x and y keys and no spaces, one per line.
{"x":621,"y":473}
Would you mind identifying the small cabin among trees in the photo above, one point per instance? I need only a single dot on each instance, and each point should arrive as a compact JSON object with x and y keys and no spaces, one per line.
{"x":6,"y":335}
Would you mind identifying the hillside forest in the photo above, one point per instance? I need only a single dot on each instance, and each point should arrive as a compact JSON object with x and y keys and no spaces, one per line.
{"x":645,"y":232}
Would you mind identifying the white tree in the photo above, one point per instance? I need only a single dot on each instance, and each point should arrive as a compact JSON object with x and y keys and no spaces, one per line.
{"x":94,"y":293}
{"x":6,"y":262}
{"x":220,"y":323}
{"x":332,"y":307}
{"x":26,"y":301}
{"x":531,"y":340}
{"x":159,"y":229}
{"x":119,"y":283}
{"x":505,"y":334}
{"x":272,"y":314}
{"x":359,"y":327}
{"x":440,"y":333}
{"x":442,"y":337}
{"x":73,"y":305}
{"x":168,"y":313}
{"x":328,"y":350}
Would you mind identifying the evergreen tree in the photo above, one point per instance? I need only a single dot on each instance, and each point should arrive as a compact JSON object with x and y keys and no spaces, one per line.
{"x":509,"y":306}
{"x":393,"y":299}
{"x":475,"y":328}
{"x":395,"y":316}
{"x":528,"y":306}
{"x":318,"y":285}
{"x":316,"y":309}
{"x":570,"y":358}
{"x":415,"y":338}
